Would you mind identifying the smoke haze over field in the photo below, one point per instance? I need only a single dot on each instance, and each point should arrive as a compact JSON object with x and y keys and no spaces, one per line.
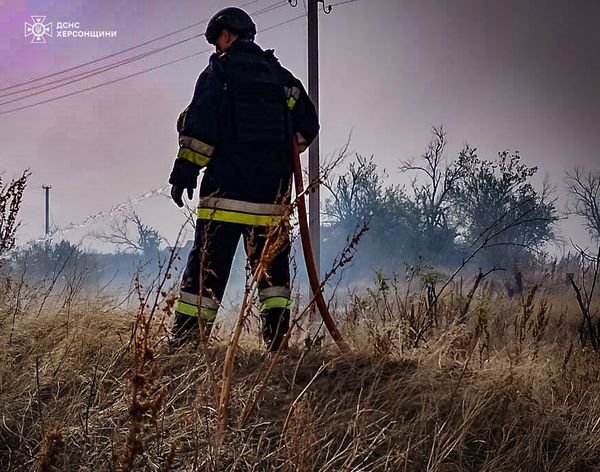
{"x":500,"y":75}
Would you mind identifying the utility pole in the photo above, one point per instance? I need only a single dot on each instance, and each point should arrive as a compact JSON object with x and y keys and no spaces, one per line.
{"x":314,"y":211}
{"x":314,"y":198}
{"x":47,"y":219}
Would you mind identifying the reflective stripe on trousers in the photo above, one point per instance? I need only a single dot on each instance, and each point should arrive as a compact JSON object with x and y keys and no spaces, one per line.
{"x":274,"y":297}
{"x":188,"y":305}
{"x":237,"y":211}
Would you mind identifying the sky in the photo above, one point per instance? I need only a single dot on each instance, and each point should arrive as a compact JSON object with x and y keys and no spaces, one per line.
{"x":511,"y":74}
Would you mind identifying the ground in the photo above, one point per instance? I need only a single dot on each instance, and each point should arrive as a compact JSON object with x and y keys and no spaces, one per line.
{"x":97,"y":388}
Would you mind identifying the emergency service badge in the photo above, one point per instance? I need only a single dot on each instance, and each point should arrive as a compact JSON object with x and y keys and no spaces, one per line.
{"x":38,"y":29}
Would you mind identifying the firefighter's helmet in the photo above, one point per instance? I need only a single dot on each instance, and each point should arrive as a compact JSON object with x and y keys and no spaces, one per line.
{"x":232,"y":19}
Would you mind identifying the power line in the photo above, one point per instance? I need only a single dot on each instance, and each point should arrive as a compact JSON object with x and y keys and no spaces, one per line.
{"x":135,"y":73}
{"x":343,"y":2}
{"x":79,"y":77}
{"x":93,"y":72}
{"x":145,"y":43}
{"x":24,"y":107}
{"x":90,"y":73}
{"x":275,"y":6}
{"x":283,"y":22}
{"x":101,"y":68}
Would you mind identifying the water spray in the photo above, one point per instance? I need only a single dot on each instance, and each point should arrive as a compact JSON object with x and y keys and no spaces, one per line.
{"x":115,"y":209}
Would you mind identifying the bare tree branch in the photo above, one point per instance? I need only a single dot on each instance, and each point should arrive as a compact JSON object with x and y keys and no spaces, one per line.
{"x":143,"y":239}
{"x":584,"y":189}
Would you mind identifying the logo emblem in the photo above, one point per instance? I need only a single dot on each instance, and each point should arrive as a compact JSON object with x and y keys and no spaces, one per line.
{"x":38,"y":29}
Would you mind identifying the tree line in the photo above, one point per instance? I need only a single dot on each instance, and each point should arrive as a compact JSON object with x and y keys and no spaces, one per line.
{"x":454,"y":207}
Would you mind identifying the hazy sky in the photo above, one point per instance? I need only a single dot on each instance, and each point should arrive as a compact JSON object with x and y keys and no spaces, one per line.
{"x":499,"y":74}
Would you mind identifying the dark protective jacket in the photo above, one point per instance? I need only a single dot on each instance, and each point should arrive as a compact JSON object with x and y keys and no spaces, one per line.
{"x":239,"y":127}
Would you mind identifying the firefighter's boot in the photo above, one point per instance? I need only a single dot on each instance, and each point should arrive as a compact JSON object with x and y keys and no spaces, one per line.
{"x":206,"y":328}
{"x":184,"y":330}
{"x":275,"y":324}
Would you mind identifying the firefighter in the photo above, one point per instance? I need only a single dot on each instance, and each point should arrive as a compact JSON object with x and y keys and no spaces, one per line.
{"x":239,"y":128}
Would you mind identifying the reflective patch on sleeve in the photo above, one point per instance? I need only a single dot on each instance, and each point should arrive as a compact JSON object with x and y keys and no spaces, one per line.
{"x":196,"y":145}
{"x":292,"y":95}
{"x":194,"y":157}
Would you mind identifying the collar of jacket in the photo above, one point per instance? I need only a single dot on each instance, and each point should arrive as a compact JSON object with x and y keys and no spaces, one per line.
{"x":244,"y":47}
{"x":238,"y":47}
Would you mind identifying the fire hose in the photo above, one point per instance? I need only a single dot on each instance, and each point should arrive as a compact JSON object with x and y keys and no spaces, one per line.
{"x":309,"y":259}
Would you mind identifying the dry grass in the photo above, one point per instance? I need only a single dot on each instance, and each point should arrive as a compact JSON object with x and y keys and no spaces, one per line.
{"x":508,"y":390}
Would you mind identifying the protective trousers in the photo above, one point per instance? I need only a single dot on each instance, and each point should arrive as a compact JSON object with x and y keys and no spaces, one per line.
{"x":209,"y":264}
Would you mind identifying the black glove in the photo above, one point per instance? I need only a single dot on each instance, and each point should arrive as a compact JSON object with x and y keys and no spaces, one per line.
{"x":177,"y":193}
{"x":183,"y":176}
